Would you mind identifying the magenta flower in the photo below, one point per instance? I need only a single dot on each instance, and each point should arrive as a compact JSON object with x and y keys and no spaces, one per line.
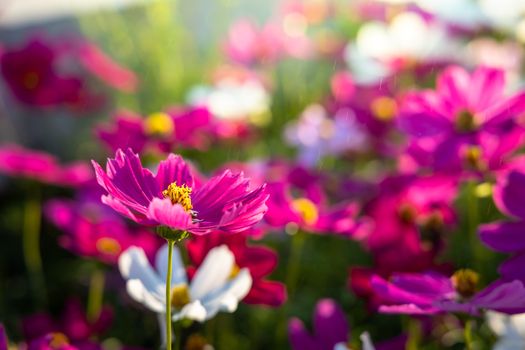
{"x":19,"y":162}
{"x":126,"y":130}
{"x":329,"y":328}
{"x":92,"y":230}
{"x":172,"y":198}
{"x":259,"y":260}
{"x":465,"y":106}
{"x":432,"y":293}
{"x":507,"y":236}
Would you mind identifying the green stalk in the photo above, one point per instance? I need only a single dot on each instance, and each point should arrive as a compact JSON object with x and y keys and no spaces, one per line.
{"x":171,"y":243}
{"x":468,"y":334}
{"x":31,"y":245}
{"x":96,"y":295}
{"x":473,"y":222}
{"x":294,"y":264}
{"x":414,"y":334}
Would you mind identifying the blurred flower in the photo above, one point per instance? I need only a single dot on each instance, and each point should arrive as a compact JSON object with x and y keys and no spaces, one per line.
{"x":57,"y":341}
{"x":317,"y":135}
{"x":93,"y":230}
{"x":507,"y":236}
{"x":216,"y":286}
{"x":73,"y":325}
{"x":259,"y":260}
{"x":172,"y":199}
{"x":40,"y":166}
{"x":330,"y":330}
{"x":509,"y":329}
{"x":383,"y":49}
{"x":126,"y":130}
{"x":431,"y":293}
{"x":3,"y":338}
{"x":464,"y":108}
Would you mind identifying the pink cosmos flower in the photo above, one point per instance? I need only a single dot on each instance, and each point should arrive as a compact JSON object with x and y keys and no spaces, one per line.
{"x":464,"y":107}
{"x":126,"y":130}
{"x":92,"y":230}
{"x":431,"y":293}
{"x":173,"y":199}
{"x":507,"y":236}
{"x":259,"y":260}
{"x":73,"y":325}
{"x":40,"y":166}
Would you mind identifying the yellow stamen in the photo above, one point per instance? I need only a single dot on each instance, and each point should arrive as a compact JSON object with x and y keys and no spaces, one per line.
{"x":384,"y":108}
{"x":58,"y":340}
{"x":306,"y":209}
{"x":159,"y":124}
{"x":235,"y":271}
{"x":407,"y":213}
{"x":465,"y":281}
{"x":484,"y":190}
{"x":465,"y":122}
{"x":179,"y":195}
{"x":473,"y":158}
{"x":110,"y":246}
{"x":180,"y":296}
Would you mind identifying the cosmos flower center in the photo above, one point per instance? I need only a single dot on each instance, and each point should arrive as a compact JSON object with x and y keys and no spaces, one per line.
{"x":306,"y":209}
{"x":179,"y":195}
{"x":465,"y":282}
{"x":384,"y":108}
{"x":473,"y":158}
{"x":31,"y":80}
{"x":197,"y":342}
{"x":180,"y":296}
{"x":58,"y":340}
{"x":109,"y":246}
{"x":159,"y":124}
{"x":465,"y":122}
{"x":407,"y":213}
{"x":235,"y":271}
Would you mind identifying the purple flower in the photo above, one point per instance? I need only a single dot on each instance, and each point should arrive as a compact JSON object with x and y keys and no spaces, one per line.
{"x":432,"y":293}
{"x":507,"y":236}
{"x":329,"y":328}
{"x":173,"y":199}
{"x":465,"y":107}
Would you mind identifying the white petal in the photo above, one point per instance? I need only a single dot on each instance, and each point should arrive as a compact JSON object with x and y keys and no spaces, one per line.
{"x":178,"y":273}
{"x":161,"y":318}
{"x":367,"y":342}
{"x":141,"y":294}
{"x":193,"y":311}
{"x":133,"y":264}
{"x":341,"y":346}
{"x":213,"y":273}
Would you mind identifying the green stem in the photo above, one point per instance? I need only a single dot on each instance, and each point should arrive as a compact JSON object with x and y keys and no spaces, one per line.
{"x":414,"y":334}
{"x":473,"y":222}
{"x":468,"y":335}
{"x":178,"y":334}
{"x":171,"y":243}
{"x":294,"y":264}
{"x":31,"y":246}
{"x":96,"y":295}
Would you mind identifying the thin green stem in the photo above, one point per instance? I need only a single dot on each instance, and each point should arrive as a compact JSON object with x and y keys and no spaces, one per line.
{"x":473,"y":222}
{"x":171,"y":243}
{"x":468,"y":334}
{"x":96,"y":294}
{"x":294,"y":264}
{"x":414,"y":334}
{"x":31,"y":245}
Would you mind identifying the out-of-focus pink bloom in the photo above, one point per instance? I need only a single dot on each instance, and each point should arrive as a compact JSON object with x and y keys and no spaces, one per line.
{"x":343,"y":87}
{"x":454,"y":119}
{"x":3,"y":338}
{"x":173,"y":199}
{"x":507,"y":236}
{"x":93,"y":230}
{"x":125,"y":131}
{"x":57,"y":341}
{"x":32,"y":75}
{"x":20,"y":162}
{"x":107,"y":70}
{"x":259,"y":260}
{"x":73,"y":324}
{"x":431,"y":293}
{"x":329,"y":328}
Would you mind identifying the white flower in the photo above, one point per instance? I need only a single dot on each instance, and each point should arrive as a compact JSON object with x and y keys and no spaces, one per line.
{"x":215,"y":286}
{"x":380,"y":46}
{"x":366,"y":343}
{"x":510,"y":329}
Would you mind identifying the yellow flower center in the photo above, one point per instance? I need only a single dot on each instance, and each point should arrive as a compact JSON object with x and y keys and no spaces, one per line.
{"x":31,"y":80}
{"x":384,"y":108}
{"x":58,"y":340}
{"x":465,"y":282}
{"x":180,"y":296}
{"x":473,"y":158}
{"x":407,"y":213}
{"x":235,"y":271}
{"x":179,"y":195}
{"x":159,"y":124}
{"x":465,"y":122}
{"x":306,"y":209}
{"x":109,"y":246}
